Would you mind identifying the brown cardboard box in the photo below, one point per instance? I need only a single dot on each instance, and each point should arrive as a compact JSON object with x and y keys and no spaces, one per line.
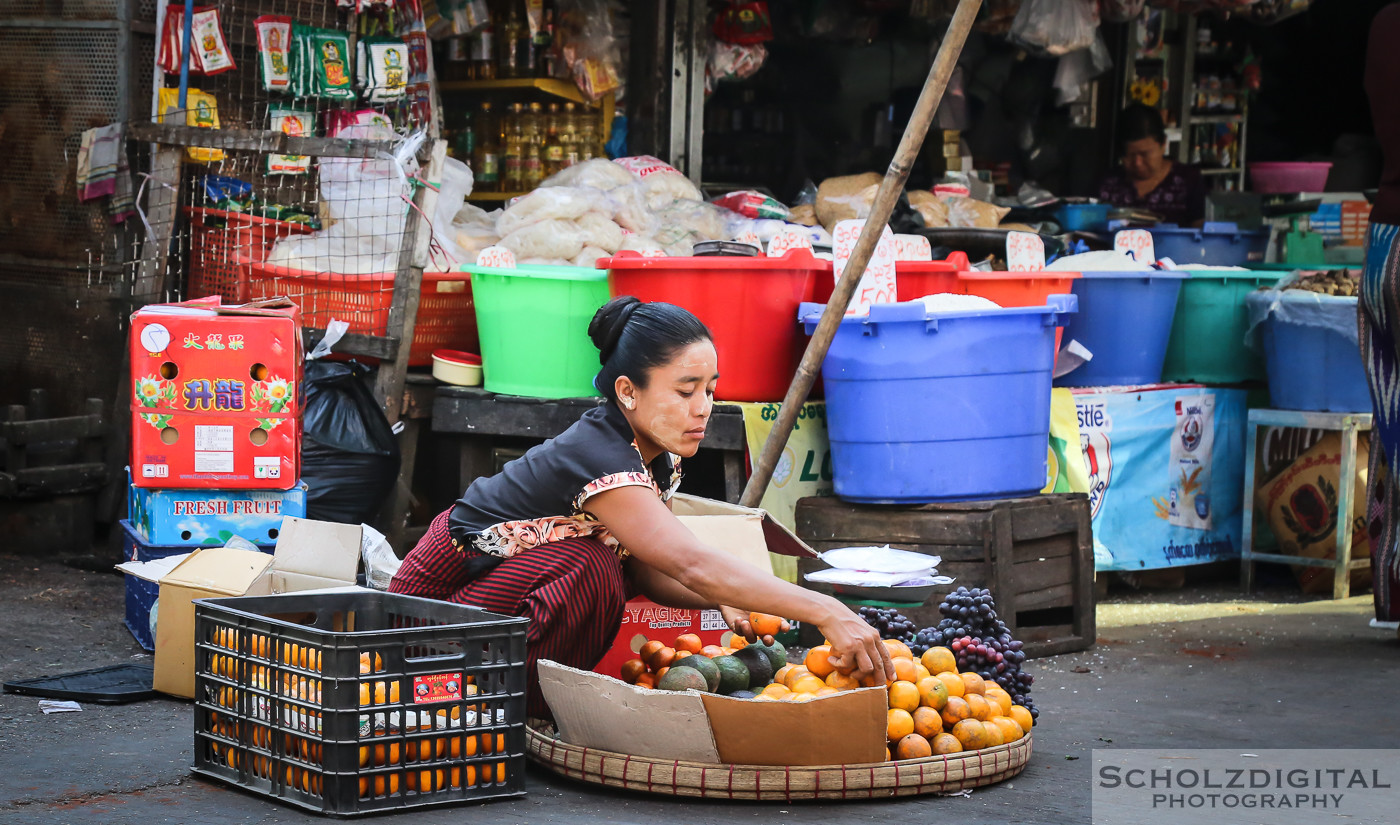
{"x":597,"y":711}
{"x":309,"y":555}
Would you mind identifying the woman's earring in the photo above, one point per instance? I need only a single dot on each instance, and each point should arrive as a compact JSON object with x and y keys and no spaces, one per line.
{"x":627,"y":402}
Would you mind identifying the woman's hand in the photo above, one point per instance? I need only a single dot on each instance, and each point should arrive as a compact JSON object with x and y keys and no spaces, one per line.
{"x":856,"y":646}
{"x":738,"y":621}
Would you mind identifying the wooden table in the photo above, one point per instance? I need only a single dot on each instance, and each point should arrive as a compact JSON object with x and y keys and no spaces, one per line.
{"x":478,"y":416}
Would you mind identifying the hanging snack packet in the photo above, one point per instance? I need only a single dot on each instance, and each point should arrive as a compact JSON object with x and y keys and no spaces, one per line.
{"x":383,"y":65}
{"x":274,"y":51}
{"x":210,"y":54}
{"x":292,"y":122}
{"x":209,"y":44}
{"x":329,"y":59}
{"x":201,"y":110}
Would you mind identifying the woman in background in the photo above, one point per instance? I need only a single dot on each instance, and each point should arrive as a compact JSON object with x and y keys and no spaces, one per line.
{"x":1149,"y":180}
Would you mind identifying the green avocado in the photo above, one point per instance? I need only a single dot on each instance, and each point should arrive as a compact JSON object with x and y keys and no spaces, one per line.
{"x":777,"y":654}
{"x":733,"y":674}
{"x":759,"y":665}
{"x":705,"y":665}
{"x":683,"y":678}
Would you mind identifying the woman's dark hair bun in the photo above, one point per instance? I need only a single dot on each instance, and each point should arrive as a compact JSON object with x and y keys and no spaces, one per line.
{"x":608,"y":323}
{"x":633,"y":338}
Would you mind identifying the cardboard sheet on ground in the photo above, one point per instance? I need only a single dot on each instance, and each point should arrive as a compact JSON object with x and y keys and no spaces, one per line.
{"x":596,"y":711}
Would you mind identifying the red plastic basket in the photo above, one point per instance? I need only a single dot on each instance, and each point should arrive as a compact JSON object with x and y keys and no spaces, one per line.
{"x":222,"y":242}
{"x":446,"y":312}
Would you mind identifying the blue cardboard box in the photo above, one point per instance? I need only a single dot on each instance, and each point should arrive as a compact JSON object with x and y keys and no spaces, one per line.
{"x":141,"y":594}
{"x":194,"y":518}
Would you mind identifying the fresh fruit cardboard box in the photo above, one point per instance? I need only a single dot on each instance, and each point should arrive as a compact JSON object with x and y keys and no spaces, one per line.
{"x":597,"y":711}
{"x":215,"y":395}
{"x":310,"y":555}
{"x":191,"y":518}
{"x":745,"y":532}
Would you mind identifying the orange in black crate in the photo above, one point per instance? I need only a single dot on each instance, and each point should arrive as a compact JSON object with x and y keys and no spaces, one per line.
{"x":352,"y":703}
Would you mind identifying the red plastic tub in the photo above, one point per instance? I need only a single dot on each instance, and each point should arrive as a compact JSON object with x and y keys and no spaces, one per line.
{"x":749,"y":304}
{"x":1016,"y":289}
{"x":915,"y":279}
{"x":1019,"y":289}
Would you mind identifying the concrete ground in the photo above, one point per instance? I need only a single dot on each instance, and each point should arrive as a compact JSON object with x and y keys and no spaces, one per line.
{"x":1199,"y":667}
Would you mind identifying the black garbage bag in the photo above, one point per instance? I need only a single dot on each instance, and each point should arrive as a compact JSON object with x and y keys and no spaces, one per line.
{"x":349,"y":456}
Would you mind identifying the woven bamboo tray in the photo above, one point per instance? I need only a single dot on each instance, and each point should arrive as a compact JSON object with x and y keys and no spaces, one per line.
{"x":935,"y":774}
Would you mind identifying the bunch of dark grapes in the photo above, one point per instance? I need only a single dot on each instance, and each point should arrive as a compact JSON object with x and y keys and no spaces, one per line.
{"x":982,"y":643}
{"x":891,"y":623}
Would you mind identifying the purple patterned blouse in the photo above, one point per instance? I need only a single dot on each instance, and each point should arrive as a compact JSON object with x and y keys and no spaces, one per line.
{"x":1180,"y":198}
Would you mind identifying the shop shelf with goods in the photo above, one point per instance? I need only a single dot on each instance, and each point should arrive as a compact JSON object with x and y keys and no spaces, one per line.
{"x":481,"y":121}
{"x":1153,"y":68}
{"x":1215,"y":102}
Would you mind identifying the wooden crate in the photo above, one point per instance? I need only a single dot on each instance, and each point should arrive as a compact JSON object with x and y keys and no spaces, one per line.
{"x":1035,"y":554}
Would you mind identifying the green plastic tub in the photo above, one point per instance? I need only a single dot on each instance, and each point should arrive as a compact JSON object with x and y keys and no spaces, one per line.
{"x":1207,"y":342}
{"x":533,"y":323}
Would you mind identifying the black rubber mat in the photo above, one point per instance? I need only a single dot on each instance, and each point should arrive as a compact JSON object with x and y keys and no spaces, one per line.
{"x":112,"y":685}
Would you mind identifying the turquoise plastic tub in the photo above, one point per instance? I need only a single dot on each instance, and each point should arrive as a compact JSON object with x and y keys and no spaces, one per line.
{"x":1208,"y":334}
{"x":533,"y":323}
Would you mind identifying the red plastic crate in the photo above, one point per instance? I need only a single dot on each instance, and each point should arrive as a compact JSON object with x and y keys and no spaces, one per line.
{"x":446,"y":313}
{"x":217,"y":252}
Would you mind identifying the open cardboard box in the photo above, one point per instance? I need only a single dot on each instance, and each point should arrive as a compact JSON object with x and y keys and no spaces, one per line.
{"x":310,"y":555}
{"x":744,"y":532}
{"x":596,"y":711}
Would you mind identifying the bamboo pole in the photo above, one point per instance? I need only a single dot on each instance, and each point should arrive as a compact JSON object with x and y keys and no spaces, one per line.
{"x":885,"y":198}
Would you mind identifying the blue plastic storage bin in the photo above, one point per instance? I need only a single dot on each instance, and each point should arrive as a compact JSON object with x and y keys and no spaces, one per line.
{"x":141,"y":594}
{"x":1083,"y":217}
{"x":1125,"y":320}
{"x":1217,"y":243}
{"x":1311,"y":352}
{"x":925,"y":407}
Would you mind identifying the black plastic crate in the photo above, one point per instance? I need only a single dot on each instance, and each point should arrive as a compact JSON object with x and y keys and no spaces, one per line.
{"x":353,"y":703}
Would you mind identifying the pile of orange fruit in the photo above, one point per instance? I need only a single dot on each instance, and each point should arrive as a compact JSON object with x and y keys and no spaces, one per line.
{"x":446,"y":723}
{"x":934,"y":709}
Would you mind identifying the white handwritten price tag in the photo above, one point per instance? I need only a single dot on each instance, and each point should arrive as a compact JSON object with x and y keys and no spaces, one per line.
{"x":751,"y":238}
{"x":912,"y":248}
{"x":788,"y":239}
{"x":1025,"y":252}
{"x":877,"y":284}
{"x":1136,"y":242}
{"x":497,"y":257}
